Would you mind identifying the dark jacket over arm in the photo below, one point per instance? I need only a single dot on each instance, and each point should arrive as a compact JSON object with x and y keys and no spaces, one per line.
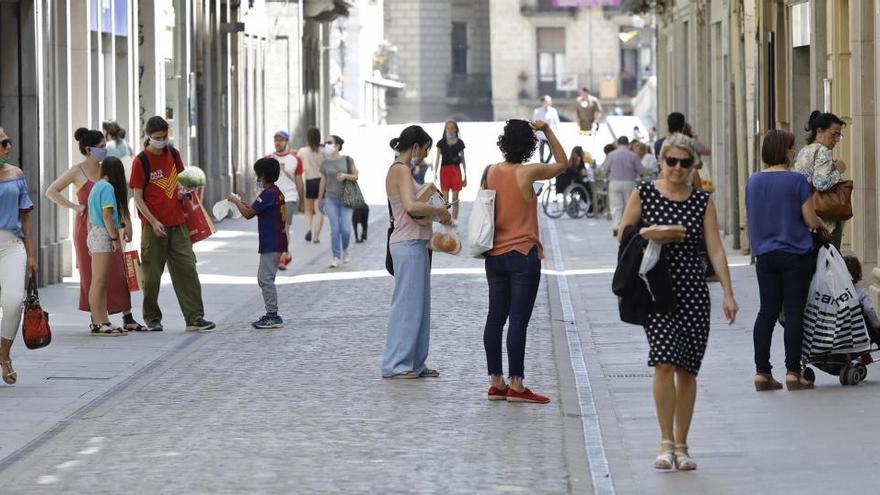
{"x":634,"y":300}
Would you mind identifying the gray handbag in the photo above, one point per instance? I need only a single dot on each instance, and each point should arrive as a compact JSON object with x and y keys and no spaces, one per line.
{"x":352,"y":197}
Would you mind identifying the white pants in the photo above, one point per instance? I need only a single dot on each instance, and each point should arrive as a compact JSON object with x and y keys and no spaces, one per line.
{"x":618,"y":195}
{"x":13,"y":264}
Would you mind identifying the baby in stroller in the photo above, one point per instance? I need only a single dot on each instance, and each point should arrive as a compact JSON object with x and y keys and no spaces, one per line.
{"x":868,"y":312}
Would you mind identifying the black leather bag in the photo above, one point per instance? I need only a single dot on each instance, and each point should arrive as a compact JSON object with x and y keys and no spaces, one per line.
{"x":389,"y":262}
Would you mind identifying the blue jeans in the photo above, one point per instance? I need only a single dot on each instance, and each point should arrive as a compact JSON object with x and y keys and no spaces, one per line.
{"x":409,"y":321}
{"x":340,"y":224}
{"x":783,"y":284}
{"x":513,"y":286}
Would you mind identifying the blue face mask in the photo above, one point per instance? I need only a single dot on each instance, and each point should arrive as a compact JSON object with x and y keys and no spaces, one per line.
{"x":98,"y":153}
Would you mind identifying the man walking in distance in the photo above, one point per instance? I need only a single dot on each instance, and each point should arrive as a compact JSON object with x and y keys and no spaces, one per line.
{"x":290,"y":182}
{"x":545,"y":112}
{"x":622,"y":167}
{"x":165,"y":236}
{"x":588,"y":108}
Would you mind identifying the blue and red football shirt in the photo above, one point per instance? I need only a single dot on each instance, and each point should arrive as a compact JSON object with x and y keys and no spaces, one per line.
{"x":269,"y":207}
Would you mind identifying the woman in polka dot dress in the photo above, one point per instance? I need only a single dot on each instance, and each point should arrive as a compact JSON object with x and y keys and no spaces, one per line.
{"x":678,"y":339}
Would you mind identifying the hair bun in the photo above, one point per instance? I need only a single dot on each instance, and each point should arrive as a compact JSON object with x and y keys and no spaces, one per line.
{"x":394,"y":143}
{"x":813,"y":116}
{"x":80,"y":133}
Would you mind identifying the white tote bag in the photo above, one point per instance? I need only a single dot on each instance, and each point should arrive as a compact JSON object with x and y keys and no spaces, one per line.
{"x":833,"y":321}
{"x":481,"y":225}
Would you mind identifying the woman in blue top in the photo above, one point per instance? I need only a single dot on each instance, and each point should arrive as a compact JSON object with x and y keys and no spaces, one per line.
{"x":780,"y":215}
{"x":108,"y":216}
{"x":17,"y":254}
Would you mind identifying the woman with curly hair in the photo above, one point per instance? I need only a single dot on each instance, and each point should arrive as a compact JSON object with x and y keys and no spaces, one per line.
{"x":513,"y":266}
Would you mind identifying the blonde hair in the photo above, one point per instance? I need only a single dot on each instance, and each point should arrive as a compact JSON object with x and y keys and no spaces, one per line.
{"x":682,"y":142}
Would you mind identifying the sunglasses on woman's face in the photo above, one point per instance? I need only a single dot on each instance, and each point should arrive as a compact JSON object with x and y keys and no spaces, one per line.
{"x":6,"y":143}
{"x":683,"y":162}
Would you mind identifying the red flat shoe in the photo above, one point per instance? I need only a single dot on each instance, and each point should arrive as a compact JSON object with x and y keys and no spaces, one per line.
{"x":525,"y":396}
{"x":496,"y":393}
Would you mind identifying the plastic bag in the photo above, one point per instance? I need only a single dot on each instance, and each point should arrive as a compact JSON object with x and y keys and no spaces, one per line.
{"x":833,"y":321}
{"x":445,"y":239}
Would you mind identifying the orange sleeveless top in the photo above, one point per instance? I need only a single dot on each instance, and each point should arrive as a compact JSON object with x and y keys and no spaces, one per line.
{"x":516,"y":220}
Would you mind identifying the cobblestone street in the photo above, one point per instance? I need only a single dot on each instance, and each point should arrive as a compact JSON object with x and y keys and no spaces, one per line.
{"x":304,"y":410}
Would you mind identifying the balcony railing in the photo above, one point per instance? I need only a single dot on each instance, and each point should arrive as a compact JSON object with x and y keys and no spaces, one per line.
{"x":544,"y":7}
{"x":472,"y":87}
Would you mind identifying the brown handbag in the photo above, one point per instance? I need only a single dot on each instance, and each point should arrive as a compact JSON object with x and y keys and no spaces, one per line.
{"x":35,"y":328}
{"x":834,"y":204}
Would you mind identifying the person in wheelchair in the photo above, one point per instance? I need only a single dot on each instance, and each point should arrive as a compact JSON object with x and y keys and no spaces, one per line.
{"x":577,"y":172}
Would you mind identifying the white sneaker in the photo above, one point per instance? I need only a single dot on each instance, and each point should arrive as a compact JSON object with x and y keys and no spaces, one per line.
{"x":334,"y":263}
{"x":346,"y":256}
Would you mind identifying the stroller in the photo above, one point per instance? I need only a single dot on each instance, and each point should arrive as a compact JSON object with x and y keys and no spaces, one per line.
{"x":836,"y":338}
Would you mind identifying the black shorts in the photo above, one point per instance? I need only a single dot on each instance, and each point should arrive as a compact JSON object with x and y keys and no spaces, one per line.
{"x":313,"y":186}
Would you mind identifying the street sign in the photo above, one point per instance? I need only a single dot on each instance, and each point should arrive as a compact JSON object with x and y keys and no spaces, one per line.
{"x":567,"y":82}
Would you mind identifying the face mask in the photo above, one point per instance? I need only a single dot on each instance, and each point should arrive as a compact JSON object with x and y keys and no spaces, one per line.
{"x":451,"y":135}
{"x":415,"y":160}
{"x":329,"y":151}
{"x":98,"y":153}
{"x":158,"y":144}
{"x":2,"y":161}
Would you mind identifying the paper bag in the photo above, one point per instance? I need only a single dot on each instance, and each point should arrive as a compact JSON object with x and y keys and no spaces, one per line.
{"x":134,"y":275}
{"x":429,"y":194}
{"x":198,"y":222}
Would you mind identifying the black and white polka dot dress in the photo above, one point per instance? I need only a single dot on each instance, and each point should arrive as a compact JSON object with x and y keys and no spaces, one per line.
{"x":680,"y":337}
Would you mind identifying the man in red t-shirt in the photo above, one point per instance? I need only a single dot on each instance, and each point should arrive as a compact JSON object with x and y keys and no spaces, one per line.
{"x":165,"y":237}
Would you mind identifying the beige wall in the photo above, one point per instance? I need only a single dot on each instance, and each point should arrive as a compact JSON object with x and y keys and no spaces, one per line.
{"x":592,"y":50}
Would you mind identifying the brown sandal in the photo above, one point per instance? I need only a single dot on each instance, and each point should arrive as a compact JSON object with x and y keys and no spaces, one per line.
{"x":765,"y":382}
{"x":794,"y":381}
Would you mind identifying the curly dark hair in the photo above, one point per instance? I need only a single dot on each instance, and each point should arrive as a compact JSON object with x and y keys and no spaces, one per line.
{"x":518,"y":143}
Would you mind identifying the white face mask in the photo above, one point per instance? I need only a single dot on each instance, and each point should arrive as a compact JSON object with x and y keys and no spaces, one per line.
{"x":159,"y":144}
{"x":415,"y":160}
{"x":329,"y":150}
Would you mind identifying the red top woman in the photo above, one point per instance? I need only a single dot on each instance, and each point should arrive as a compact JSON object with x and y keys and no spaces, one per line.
{"x":82,"y":177}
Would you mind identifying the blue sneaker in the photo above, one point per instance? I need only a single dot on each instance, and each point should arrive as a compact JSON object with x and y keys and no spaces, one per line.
{"x":269,"y":321}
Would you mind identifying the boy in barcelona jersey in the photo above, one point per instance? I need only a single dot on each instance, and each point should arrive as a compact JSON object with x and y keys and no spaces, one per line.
{"x":269,"y":209}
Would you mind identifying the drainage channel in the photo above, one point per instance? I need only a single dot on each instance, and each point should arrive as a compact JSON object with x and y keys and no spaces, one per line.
{"x":593,"y":444}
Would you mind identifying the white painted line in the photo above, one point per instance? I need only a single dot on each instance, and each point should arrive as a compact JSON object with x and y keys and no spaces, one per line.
{"x":593,"y":445}
{"x":90,"y":450}
{"x":68,"y":464}
{"x":47,"y":479}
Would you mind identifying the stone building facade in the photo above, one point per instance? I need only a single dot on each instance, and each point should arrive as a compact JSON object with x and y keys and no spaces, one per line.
{"x":767,"y":64}
{"x":201,"y":64}
{"x":535,"y":45}
{"x":444,"y":59}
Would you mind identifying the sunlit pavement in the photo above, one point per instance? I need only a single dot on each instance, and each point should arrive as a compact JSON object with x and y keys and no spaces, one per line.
{"x":303,"y":409}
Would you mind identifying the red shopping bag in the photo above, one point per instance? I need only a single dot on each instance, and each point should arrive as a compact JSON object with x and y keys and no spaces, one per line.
{"x":198,"y":222}
{"x":134,"y":275}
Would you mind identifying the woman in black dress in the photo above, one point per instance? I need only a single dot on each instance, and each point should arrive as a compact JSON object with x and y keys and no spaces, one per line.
{"x":678,"y":339}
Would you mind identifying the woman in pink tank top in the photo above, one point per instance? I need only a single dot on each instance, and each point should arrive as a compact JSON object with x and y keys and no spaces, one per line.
{"x":409,"y":320}
{"x":513,"y":266}
{"x":82,"y":177}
